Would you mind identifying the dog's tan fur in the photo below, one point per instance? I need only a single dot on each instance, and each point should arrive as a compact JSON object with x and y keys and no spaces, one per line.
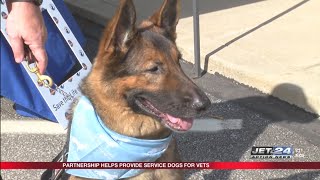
{"x":114,"y":107}
{"x":108,"y":98}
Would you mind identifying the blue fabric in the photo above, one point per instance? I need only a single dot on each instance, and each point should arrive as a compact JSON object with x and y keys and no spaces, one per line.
{"x":15,"y":82}
{"x":92,"y":141}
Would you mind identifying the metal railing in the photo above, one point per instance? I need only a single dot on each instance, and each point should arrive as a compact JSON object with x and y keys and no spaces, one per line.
{"x":196,"y":38}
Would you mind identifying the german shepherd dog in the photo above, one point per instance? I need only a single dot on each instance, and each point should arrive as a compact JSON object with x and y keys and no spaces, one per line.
{"x":137,"y":86}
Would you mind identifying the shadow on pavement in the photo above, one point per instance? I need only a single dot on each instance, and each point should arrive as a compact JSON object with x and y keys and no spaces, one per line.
{"x":257,"y":113}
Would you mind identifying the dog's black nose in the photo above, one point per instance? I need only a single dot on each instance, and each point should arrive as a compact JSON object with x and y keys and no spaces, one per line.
{"x":200,"y":101}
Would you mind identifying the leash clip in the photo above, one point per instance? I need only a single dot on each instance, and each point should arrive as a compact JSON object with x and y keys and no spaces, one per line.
{"x":46,"y":80}
{"x":42,"y":79}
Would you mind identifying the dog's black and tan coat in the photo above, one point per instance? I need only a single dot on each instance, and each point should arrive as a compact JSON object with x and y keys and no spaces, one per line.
{"x":137,"y":86}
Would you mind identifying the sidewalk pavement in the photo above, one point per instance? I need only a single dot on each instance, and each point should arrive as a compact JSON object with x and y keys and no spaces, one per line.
{"x":269,"y":45}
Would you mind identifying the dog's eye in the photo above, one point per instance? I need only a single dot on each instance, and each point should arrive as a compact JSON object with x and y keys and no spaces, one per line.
{"x":154,"y":69}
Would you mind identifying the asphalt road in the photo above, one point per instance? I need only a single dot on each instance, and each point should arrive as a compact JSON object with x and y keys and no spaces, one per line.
{"x":266,"y":121}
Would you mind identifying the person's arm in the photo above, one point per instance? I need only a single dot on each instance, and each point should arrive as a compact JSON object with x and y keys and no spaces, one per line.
{"x":25,"y":25}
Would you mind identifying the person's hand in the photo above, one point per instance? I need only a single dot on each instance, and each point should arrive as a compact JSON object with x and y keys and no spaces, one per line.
{"x":25,"y":25}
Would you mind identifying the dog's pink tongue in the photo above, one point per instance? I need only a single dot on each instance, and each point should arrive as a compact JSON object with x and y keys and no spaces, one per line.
{"x":184,"y":124}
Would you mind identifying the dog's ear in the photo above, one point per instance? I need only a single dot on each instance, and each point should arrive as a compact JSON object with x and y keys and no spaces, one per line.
{"x":121,"y":30}
{"x":167,"y":18}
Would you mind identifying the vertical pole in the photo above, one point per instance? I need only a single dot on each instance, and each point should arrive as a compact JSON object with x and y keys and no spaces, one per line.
{"x":196,"y":38}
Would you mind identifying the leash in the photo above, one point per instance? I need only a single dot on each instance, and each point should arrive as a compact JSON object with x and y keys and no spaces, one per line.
{"x":43,"y":80}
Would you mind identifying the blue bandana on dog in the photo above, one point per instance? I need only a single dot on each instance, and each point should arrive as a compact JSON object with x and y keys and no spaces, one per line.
{"x":92,"y":141}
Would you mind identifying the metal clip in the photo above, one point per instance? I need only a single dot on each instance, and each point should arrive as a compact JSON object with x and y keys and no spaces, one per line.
{"x":46,"y":80}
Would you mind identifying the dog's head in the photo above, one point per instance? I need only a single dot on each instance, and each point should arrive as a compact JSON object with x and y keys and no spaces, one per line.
{"x":137,"y":71}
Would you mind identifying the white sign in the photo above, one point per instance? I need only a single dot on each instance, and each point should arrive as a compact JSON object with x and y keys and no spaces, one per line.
{"x":59,"y":103}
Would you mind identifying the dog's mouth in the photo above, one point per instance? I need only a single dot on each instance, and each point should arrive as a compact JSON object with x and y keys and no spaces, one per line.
{"x":173,"y":123}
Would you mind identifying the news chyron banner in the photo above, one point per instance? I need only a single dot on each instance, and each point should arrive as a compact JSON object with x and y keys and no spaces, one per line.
{"x":159,"y":165}
{"x":257,"y":154}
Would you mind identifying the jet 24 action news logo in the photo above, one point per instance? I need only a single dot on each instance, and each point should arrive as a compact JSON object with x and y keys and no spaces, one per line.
{"x":276,"y":152}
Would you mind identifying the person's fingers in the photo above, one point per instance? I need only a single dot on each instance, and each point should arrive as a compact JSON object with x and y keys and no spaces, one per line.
{"x":17,"y":48}
{"x":41,"y":57}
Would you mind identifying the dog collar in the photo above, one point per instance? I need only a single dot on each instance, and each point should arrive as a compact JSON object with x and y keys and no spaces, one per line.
{"x":92,"y":141}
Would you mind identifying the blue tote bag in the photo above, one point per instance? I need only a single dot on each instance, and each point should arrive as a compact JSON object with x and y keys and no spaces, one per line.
{"x":17,"y":86}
